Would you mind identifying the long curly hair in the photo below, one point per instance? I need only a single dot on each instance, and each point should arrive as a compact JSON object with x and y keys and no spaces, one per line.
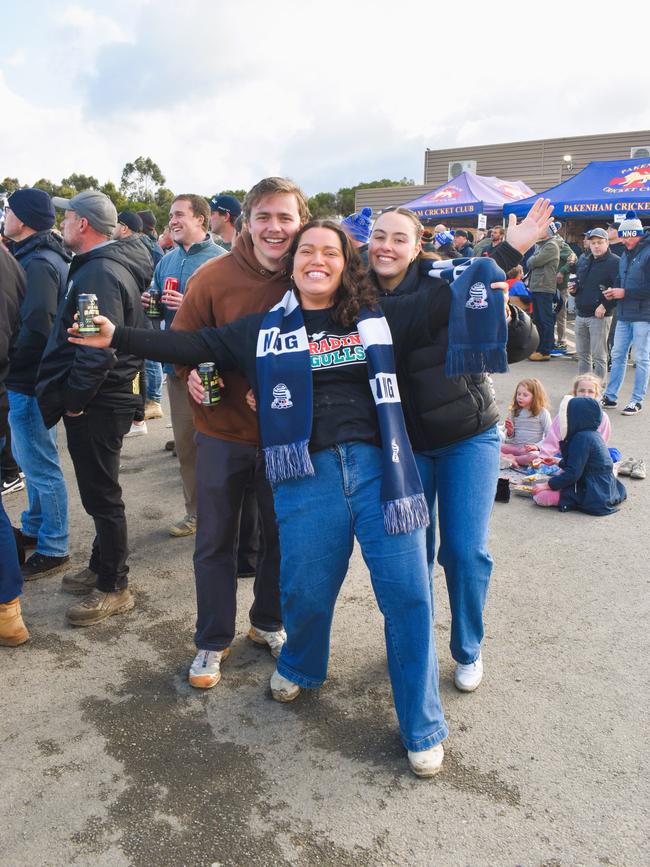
{"x":355,"y":289}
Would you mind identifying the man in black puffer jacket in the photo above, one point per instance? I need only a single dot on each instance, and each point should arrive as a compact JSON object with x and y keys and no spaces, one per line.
{"x":97,"y":391}
{"x":44,"y":525}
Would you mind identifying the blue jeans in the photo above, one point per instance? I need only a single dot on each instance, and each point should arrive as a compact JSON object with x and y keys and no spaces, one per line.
{"x":46,"y":517}
{"x":11,"y":579}
{"x":318,"y":518}
{"x":628,"y":334}
{"x":154,"y":376}
{"x":463,"y":478}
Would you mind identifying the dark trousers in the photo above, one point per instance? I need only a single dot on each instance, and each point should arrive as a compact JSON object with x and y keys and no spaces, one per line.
{"x":11,"y":579}
{"x":544,"y":319}
{"x":223,"y":471}
{"x":94,"y":443}
{"x":249,"y":533}
{"x":9,"y":469}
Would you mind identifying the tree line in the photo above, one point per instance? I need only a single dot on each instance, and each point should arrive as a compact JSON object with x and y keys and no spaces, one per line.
{"x":142,"y":186}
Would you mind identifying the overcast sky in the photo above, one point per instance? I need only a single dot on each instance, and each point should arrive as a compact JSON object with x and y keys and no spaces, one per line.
{"x":328,"y":92}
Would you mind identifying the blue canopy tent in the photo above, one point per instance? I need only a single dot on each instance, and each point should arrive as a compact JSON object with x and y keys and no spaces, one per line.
{"x":600,"y":190}
{"x":466,"y":195}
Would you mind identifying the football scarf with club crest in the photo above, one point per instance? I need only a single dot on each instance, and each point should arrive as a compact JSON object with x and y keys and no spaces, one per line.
{"x":285,"y":407}
{"x":478,"y":331}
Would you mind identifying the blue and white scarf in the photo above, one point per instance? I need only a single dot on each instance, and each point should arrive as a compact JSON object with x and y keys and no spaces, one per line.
{"x":285,"y":407}
{"x":478,"y":331}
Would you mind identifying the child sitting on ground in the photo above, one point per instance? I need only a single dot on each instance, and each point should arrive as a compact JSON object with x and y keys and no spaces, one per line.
{"x":587,"y":481}
{"x":584,"y":385}
{"x":527,"y":422}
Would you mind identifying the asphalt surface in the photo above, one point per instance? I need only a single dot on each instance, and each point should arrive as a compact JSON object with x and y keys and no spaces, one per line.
{"x":108,"y":757}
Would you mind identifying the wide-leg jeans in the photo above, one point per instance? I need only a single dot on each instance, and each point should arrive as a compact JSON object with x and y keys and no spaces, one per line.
{"x":462,"y":478}
{"x":34,"y":446}
{"x":318,"y":518}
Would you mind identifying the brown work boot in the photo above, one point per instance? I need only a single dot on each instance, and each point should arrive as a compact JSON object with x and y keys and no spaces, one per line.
{"x":12,"y":628}
{"x":79,"y":583}
{"x":98,"y":606}
{"x":152,"y":409}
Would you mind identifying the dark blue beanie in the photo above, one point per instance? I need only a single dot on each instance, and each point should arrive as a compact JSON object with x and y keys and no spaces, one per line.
{"x":34,"y":208}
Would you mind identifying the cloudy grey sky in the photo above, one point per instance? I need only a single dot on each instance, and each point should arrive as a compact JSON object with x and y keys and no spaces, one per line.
{"x":329,"y":92}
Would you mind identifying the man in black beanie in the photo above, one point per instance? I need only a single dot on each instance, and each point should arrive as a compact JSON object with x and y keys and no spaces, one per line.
{"x":28,"y":222}
{"x":149,"y":235}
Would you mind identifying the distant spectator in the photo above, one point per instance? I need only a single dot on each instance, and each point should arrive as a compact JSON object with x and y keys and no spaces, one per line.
{"x":224,"y":211}
{"x":542,"y":283}
{"x":462,"y":244}
{"x":128,"y":223}
{"x":616,"y":246}
{"x":149,"y":235}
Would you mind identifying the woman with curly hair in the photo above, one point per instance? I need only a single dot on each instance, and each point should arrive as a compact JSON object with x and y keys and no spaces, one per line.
{"x":321,"y":365}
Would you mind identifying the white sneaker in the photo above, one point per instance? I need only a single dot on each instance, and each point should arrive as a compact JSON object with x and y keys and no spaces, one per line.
{"x":468,"y":677}
{"x":283,"y":689}
{"x":205,"y":671}
{"x":137,"y":430}
{"x":273,"y":640}
{"x":427,"y":763}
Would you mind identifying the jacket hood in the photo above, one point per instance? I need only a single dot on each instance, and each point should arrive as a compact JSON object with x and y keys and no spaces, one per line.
{"x":583,"y":413}
{"x":41,"y":241}
{"x":131,"y":253}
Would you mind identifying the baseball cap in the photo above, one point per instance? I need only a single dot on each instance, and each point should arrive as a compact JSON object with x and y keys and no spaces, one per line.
{"x":598,"y":233}
{"x":461,"y":233}
{"x":226,"y":203}
{"x":131,"y":220}
{"x":94,"y":206}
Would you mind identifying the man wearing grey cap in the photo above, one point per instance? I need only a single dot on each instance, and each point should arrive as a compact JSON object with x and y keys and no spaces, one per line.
{"x":96,"y":392}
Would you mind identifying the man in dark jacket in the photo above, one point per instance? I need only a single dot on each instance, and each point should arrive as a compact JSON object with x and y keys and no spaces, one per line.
{"x":28,"y":223}
{"x":596,"y":270}
{"x":462,"y":244}
{"x":633,"y":315}
{"x":12,"y":289}
{"x":542,"y":283}
{"x":96,"y":392}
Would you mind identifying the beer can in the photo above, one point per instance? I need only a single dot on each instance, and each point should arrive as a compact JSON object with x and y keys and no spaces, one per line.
{"x":87,"y":307}
{"x":171,"y":284}
{"x":154,"y":310}
{"x":210,"y":379}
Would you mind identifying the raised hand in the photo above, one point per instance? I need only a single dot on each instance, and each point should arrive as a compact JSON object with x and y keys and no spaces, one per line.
{"x":97,"y":341}
{"x":522,"y":236}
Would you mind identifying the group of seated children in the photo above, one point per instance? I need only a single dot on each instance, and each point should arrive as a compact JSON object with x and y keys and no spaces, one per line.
{"x":574,"y":441}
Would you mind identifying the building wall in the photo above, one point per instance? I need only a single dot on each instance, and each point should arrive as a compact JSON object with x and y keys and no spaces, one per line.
{"x":538,"y":163}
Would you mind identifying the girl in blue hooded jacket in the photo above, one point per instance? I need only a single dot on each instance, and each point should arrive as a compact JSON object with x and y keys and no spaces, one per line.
{"x":587,"y":482}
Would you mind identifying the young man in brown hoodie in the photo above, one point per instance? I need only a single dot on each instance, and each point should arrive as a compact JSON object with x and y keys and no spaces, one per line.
{"x":250,"y":279}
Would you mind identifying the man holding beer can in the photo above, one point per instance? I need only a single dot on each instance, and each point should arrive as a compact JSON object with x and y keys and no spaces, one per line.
{"x":96,"y":392}
{"x":189,"y":219}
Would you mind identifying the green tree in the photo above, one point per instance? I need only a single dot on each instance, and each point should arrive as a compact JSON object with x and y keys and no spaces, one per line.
{"x":8,"y":185}
{"x":80,"y":182}
{"x":238,"y":194}
{"x":141,"y":179}
{"x":322,"y":206}
{"x":345,"y":196}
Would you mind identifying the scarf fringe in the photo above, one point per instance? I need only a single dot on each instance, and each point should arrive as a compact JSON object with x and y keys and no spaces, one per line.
{"x":461,"y":360}
{"x":290,"y":461}
{"x":405,"y":514}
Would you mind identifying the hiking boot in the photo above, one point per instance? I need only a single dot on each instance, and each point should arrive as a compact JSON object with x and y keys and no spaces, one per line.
{"x":607,"y":402}
{"x":186,"y":527}
{"x":427,"y":763}
{"x":468,"y":677}
{"x":538,"y":356}
{"x":638,"y":470}
{"x":97,"y":606}
{"x":10,"y":487}
{"x":79,"y":583}
{"x":633,"y":408}
{"x":205,"y":671}
{"x":152,"y":409}
{"x":283,"y":689}
{"x":12,"y":628}
{"x":625,"y":467}
{"x":137,"y":429}
{"x":39,"y":565}
{"x":273,"y":640}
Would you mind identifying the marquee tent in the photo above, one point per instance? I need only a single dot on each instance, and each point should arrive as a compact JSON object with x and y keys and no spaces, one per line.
{"x":600,"y":190}
{"x":468,"y":194}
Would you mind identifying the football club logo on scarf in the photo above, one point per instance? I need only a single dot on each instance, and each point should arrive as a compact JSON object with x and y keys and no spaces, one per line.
{"x":281,"y":397}
{"x":477,"y":297}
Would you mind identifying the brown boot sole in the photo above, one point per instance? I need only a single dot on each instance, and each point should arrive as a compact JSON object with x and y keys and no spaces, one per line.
{"x":15,"y":640}
{"x":104,"y":615}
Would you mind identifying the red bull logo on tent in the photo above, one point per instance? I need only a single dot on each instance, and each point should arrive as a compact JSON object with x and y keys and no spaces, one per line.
{"x":446,"y":194}
{"x":636,"y":179}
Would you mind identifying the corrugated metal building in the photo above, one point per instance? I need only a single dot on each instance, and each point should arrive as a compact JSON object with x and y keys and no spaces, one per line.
{"x":540,"y":163}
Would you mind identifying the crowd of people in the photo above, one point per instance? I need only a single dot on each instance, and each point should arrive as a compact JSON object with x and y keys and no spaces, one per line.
{"x":350,"y":363}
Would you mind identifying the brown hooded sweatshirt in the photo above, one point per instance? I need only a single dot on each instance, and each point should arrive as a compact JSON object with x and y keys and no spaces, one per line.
{"x":221,"y":291}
